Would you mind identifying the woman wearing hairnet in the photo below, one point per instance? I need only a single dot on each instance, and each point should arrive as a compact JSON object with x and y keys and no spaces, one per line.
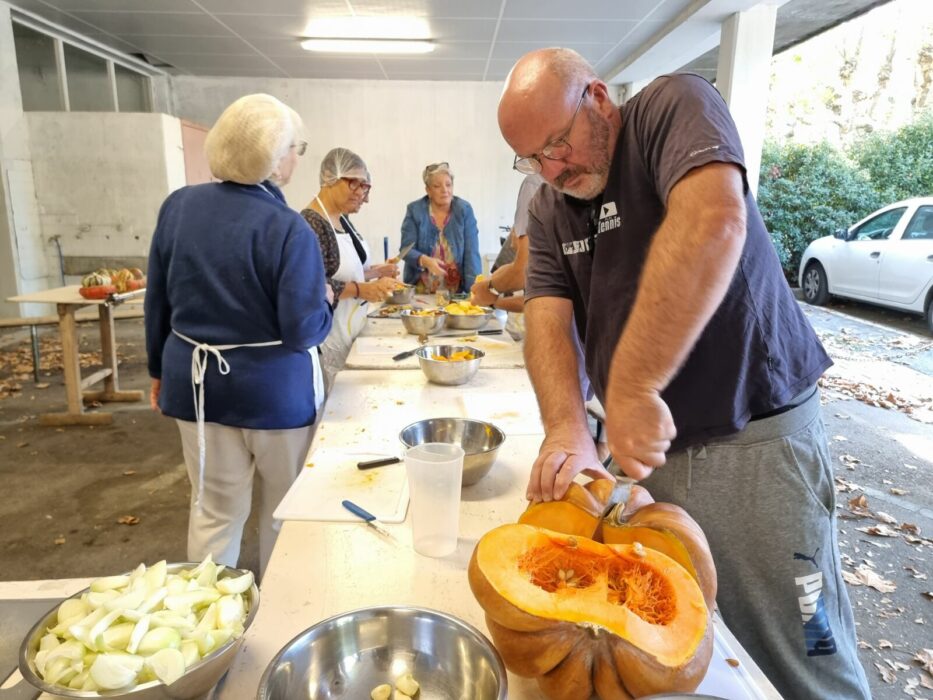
{"x":345,"y":185}
{"x":236,"y":297}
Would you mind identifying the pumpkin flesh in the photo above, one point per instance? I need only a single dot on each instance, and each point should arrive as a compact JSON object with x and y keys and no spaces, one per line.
{"x":639,"y":595}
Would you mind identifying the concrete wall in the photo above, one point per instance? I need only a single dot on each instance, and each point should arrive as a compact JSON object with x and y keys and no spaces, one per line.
{"x":22,"y":264}
{"x":100,"y":179}
{"x":398,"y":127}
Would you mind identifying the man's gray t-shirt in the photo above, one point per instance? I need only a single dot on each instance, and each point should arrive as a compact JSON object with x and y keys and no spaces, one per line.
{"x":758,"y":350}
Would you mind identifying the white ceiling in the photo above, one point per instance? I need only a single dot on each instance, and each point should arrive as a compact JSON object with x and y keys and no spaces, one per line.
{"x":476,"y":39}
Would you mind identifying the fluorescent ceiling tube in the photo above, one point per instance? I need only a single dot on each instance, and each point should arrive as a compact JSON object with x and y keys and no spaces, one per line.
{"x":367,"y":46}
{"x":367,"y":27}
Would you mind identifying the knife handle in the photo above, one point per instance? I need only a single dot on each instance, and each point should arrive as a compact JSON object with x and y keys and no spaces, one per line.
{"x":403,"y":355}
{"x":381,"y":462}
{"x":356,"y":510}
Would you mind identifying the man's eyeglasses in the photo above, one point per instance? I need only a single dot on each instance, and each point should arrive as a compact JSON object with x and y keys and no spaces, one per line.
{"x":300,"y":147}
{"x":556,"y":150}
{"x":357,"y":185}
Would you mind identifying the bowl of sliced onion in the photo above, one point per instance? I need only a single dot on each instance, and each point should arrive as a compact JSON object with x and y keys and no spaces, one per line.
{"x":163,"y":631}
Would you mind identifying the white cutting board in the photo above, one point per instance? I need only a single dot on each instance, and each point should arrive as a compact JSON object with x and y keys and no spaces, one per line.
{"x":376,"y":352}
{"x":319,"y":489}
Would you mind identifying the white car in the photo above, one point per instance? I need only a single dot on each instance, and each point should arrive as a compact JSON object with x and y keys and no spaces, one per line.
{"x":885,"y":259}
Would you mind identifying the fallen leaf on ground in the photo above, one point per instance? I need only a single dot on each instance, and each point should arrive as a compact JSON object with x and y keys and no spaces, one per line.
{"x":898,"y":492}
{"x":862,"y":644}
{"x":925,"y":658}
{"x":129,"y":472}
{"x":885,"y":518}
{"x":864,"y":576}
{"x":885,"y":644}
{"x":59,"y":540}
{"x":909,"y":528}
{"x":887,"y":675}
{"x":22,"y":444}
{"x":878,"y":531}
{"x":42,"y":385}
{"x":127,"y":520}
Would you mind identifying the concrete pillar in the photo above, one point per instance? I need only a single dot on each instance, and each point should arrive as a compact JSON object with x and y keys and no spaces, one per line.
{"x":744,"y":76}
{"x":23,"y":267}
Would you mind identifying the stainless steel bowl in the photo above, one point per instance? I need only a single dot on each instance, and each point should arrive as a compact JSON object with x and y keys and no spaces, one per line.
{"x":423,"y":325}
{"x":195,"y":683}
{"x":448,"y":372}
{"x":348,"y":655}
{"x":479,"y":440}
{"x":682,"y":696}
{"x":465,"y":322}
{"x":401,"y":296}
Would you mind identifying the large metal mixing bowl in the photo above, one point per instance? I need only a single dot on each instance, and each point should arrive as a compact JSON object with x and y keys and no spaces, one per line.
{"x":402,"y":295}
{"x":479,"y":440}
{"x":426,"y":324}
{"x":348,"y":655}
{"x":450,"y":372}
{"x":195,"y":683}
{"x":470,"y":322}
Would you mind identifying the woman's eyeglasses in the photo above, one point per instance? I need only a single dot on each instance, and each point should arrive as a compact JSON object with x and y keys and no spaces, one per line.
{"x":436,"y":166}
{"x":357,"y":185}
{"x":300,"y":147}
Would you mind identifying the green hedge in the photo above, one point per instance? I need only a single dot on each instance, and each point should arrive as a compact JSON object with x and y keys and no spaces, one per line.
{"x":809,"y":191}
{"x":806,"y":192}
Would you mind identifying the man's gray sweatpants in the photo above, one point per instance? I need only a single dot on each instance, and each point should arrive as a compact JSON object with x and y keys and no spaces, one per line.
{"x":765,"y":499}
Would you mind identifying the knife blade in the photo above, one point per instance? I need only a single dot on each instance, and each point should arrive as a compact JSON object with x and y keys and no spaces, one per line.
{"x":467,"y":334}
{"x":402,"y":253}
{"x":367,"y":518}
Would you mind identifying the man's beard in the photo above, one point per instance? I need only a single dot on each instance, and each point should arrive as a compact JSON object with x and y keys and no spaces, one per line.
{"x":595,"y":177}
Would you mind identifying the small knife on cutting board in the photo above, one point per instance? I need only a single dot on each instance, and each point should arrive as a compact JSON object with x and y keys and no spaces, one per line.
{"x":368,"y":518}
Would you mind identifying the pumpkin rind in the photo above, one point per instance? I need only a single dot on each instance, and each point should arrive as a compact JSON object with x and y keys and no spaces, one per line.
{"x":577,"y":513}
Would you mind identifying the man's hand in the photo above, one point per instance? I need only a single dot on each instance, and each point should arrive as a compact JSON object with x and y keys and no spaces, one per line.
{"x":560,"y":459}
{"x":639,"y":428}
{"x":480,"y":294}
{"x":154,"y":389}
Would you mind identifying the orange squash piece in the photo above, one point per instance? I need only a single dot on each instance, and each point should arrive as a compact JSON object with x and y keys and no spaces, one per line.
{"x":581,"y":616}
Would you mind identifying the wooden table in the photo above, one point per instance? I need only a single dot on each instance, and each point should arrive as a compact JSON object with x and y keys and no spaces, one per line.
{"x":68,"y":301}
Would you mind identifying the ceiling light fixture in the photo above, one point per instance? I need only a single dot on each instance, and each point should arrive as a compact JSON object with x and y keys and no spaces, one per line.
{"x":346,"y":45}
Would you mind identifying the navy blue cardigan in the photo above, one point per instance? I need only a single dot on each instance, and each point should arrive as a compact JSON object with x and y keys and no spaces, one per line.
{"x":232,"y":264}
{"x":461,"y":233}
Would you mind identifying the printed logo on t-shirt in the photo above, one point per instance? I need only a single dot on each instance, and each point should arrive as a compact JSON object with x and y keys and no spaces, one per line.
{"x":703,"y":150}
{"x":817,"y":634}
{"x":579,"y":246}
{"x":608,"y":218}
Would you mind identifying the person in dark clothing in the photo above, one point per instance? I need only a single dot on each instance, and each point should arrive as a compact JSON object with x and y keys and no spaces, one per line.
{"x":236,"y":296}
{"x":651,"y":243}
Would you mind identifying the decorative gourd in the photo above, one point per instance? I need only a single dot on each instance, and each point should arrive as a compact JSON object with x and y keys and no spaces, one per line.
{"x":584,"y":617}
{"x":122,"y":279}
{"x":95,"y":279}
{"x":635,"y":518}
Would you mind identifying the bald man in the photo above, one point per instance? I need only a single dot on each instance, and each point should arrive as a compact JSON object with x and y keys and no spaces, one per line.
{"x":650,"y":242}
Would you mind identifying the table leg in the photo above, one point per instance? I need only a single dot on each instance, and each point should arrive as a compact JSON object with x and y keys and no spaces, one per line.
{"x":75,"y":415}
{"x":110,"y":374}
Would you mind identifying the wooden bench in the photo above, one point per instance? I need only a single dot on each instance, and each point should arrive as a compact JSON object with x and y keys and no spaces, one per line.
{"x":33,"y":323}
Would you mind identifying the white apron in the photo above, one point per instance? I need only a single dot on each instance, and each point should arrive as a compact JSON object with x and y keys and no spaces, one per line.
{"x":350,"y":314}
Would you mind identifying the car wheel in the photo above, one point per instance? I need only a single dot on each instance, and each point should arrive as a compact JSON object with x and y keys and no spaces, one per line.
{"x":929,"y":315}
{"x":815,"y":288}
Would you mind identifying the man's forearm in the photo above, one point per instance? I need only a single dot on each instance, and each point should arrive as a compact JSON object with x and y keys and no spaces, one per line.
{"x":514,"y":304}
{"x":688,"y":270}
{"x":551,"y":359}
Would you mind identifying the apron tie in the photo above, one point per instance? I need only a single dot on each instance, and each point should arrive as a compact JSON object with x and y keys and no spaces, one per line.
{"x":200,"y":358}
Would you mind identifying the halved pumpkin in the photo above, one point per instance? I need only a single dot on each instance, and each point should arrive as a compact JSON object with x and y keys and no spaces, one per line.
{"x":580,"y":616}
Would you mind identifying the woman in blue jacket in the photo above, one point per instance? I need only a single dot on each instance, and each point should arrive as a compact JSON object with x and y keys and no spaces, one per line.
{"x":236,"y":296}
{"x":446,"y":239}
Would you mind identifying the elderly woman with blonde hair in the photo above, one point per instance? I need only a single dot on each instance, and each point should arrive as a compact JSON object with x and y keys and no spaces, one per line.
{"x":236,"y":297}
{"x":443,"y":231}
{"x":355,"y":279}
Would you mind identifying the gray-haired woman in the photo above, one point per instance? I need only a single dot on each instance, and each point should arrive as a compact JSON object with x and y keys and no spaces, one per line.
{"x":345,"y":186}
{"x":236,"y":297}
